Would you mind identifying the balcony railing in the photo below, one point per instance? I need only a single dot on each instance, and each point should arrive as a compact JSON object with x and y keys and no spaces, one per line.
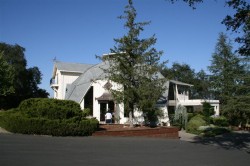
{"x":53,"y":83}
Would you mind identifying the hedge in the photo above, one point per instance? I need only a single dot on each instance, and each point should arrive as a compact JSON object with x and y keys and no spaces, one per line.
{"x":220,"y":121}
{"x":50,"y":108}
{"x":17,"y":123}
{"x":48,"y":117}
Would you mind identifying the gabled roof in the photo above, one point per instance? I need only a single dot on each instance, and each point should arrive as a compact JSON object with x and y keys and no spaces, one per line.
{"x":70,"y":67}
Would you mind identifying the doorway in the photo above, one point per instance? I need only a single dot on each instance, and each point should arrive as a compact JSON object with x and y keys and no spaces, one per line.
{"x":103,"y":110}
{"x":106,"y":106}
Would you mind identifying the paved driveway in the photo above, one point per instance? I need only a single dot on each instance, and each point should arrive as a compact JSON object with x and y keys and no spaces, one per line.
{"x":28,"y":150}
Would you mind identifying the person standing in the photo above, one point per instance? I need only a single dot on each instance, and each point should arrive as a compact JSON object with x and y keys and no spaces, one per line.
{"x":108,"y":117}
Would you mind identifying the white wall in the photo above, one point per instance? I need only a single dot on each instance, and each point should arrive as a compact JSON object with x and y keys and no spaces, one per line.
{"x":63,"y":79}
{"x":67,"y":78}
{"x":199,"y":102}
{"x":98,"y":90}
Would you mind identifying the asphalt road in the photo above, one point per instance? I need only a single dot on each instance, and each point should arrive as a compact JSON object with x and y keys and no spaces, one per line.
{"x":28,"y":150}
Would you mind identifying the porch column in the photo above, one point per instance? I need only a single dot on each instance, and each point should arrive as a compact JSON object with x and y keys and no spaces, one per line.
{"x":107,"y":106}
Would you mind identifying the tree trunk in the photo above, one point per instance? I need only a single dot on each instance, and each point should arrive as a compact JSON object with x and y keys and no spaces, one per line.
{"x":131,"y":119}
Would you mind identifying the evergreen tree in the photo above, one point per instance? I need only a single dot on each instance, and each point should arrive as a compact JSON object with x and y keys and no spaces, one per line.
{"x":238,"y":107}
{"x":134,"y":65}
{"x":225,"y":68}
{"x":228,"y":80}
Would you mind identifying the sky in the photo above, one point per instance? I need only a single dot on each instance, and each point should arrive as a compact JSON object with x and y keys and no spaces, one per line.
{"x":78,"y":30}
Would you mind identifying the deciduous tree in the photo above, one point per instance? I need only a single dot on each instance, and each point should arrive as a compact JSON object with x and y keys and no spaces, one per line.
{"x":184,"y":73}
{"x":6,"y":77}
{"x":240,"y":23}
{"x":24,"y":81}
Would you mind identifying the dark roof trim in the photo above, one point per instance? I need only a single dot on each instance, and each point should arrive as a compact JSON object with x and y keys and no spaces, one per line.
{"x":180,"y":83}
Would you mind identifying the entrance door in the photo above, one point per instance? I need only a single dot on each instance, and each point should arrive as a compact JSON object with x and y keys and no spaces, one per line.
{"x":111,"y":106}
{"x":102,"y":111}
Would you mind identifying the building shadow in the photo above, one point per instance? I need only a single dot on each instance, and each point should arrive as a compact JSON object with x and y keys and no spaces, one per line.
{"x":234,"y":140}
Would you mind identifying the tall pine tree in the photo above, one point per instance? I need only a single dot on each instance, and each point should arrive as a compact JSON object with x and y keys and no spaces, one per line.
{"x":229,"y":81}
{"x":134,"y":65}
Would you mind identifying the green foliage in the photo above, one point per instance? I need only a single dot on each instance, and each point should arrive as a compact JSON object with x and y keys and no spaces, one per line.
{"x":190,"y":116}
{"x":207,"y":111}
{"x":201,"y":88}
{"x":231,"y":81}
{"x":180,"y":72}
{"x":220,"y":121}
{"x":6,"y":77}
{"x":171,"y":119}
{"x":194,"y":124}
{"x":211,"y":132}
{"x":240,"y":22}
{"x":184,"y":73}
{"x":86,"y":112}
{"x":48,"y":117}
{"x":16,"y":122}
{"x":152,"y":115}
{"x":134,"y":65}
{"x":225,"y":68}
{"x":22,"y":82}
{"x":191,"y":3}
{"x":50,"y":108}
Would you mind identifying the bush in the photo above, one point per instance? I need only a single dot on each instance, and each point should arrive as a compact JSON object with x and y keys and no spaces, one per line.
{"x":195,"y":123}
{"x":86,"y":112}
{"x":208,"y":110}
{"x":50,"y":108}
{"x":220,"y":121}
{"x":43,"y":120}
{"x":17,"y":123}
{"x":190,"y":116}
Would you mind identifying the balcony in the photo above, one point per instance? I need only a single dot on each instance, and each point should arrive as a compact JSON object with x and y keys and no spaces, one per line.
{"x":53,"y":84}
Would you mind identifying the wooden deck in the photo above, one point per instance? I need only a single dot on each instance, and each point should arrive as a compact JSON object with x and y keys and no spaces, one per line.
{"x":139,"y":131}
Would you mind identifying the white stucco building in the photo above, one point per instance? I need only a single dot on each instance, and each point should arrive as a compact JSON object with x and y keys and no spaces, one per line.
{"x":86,"y":84}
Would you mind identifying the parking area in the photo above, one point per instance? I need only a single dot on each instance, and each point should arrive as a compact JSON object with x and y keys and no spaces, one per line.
{"x":19,"y":150}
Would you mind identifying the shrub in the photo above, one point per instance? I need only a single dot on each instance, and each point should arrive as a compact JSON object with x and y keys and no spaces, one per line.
{"x":190,"y":116}
{"x":195,"y":123}
{"x":43,"y":116}
{"x":50,"y":108}
{"x":86,"y":112}
{"x":220,"y":121}
{"x":208,"y":110}
{"x":18,"y":123}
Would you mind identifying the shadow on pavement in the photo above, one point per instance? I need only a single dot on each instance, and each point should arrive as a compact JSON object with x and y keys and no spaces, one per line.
{"x":234,"y":140}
